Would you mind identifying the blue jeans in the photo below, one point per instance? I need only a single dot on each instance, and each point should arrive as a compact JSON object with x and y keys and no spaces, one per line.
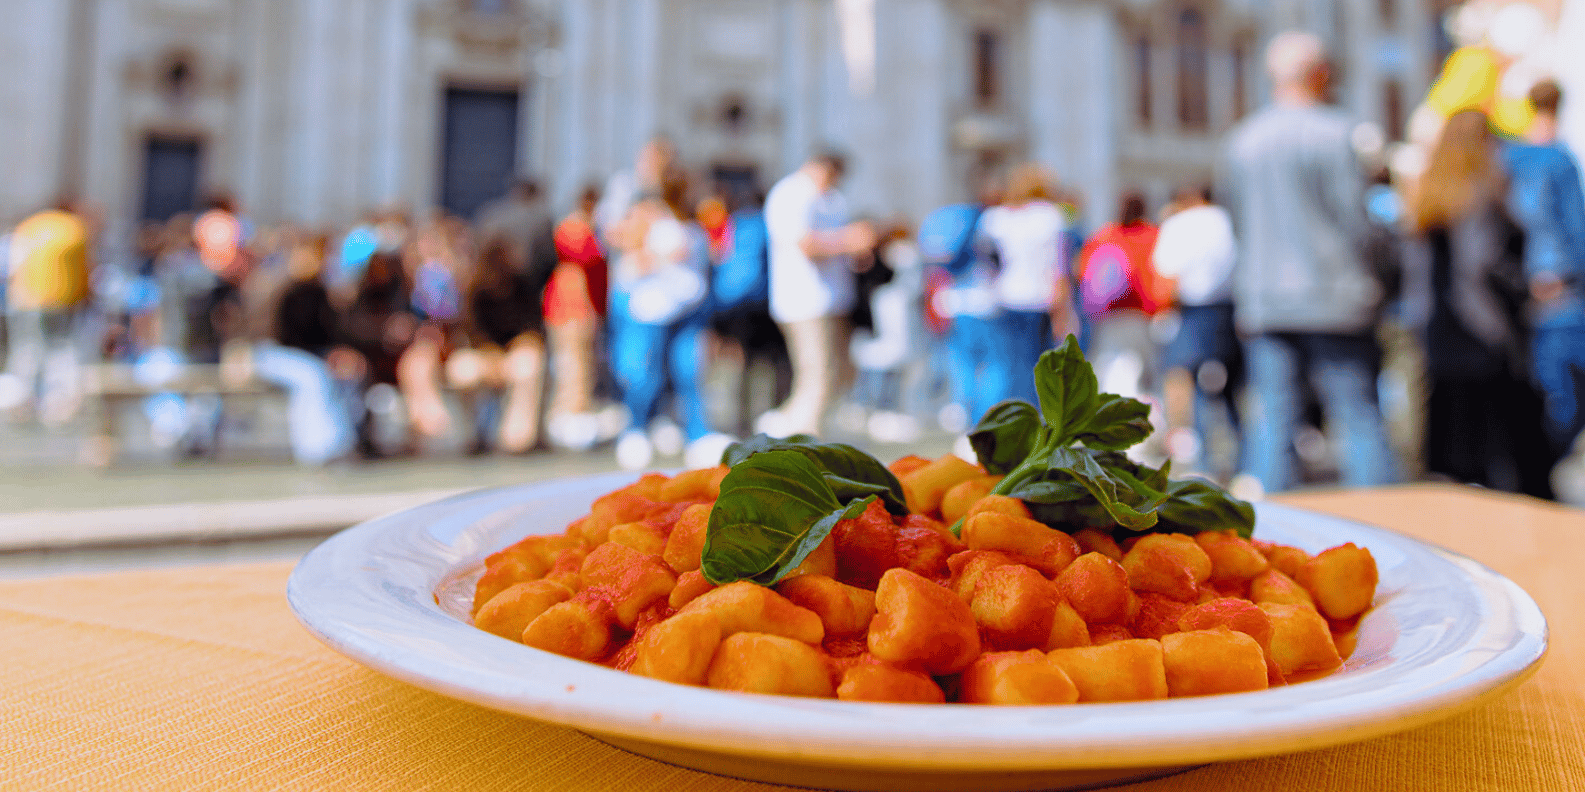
{"x":1024,"y":335}
{"x":318,"y":424}
{"x":979,"y":365}
{"x":642,"y":356}
{"x":1342,"y":371}
{"x":1559,"y":363}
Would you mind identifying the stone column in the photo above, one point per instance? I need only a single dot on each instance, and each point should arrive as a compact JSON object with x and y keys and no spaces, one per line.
{"x":308,"y":155}
{"x":798,"y":85}
{"x":35,"y":40}
{"x":575,"y":106}
{"x":1075,"y":100}
{"x":1571,"y":72}
{"x":903,"y":129}
{"x":641,"y":81}
{"x":387,"y":135}
{"x":110,"y":153}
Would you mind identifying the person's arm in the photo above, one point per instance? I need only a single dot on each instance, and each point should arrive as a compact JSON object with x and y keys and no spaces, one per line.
{"x":849,"y":240}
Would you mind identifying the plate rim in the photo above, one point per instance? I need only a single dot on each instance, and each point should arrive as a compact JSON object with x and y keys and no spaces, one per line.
{"x":1493,"y":677}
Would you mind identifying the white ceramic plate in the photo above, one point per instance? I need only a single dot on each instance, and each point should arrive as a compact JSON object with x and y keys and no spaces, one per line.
{"x":393,"y":594}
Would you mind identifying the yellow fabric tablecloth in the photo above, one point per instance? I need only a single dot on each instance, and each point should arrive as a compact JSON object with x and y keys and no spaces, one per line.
{"x":200,"y":678}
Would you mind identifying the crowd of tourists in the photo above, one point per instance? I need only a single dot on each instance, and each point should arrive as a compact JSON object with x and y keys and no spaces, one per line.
{"x":1251,"y":310}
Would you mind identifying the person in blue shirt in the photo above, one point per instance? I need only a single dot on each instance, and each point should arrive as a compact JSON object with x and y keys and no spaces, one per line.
{"x":740,"y":291}
{"x":1546,"y":199}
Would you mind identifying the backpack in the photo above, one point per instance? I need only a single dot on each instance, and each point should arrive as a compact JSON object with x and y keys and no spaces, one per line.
{"x":1108,"y":280}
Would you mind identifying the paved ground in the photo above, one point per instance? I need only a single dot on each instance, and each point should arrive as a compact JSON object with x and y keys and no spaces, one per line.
{"x":59,"y":516}
{"x":151,"y":508}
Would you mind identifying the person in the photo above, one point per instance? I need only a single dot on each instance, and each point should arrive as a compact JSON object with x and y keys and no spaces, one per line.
{"x":1196,"y":251}
{"x":437,"y":263}
{"x":505,"y":351}
{"x":1303,"y":292}
{"x":376,"y":326}
{"x":288,"y":348}
{"x":1545,"y":198}
{"x":48,"y":286}
{"x":1483,"y":419}
{"x":661,"y":284}
{"x":522,"y":225}
{"x":812,"y":288}
{"x":889,"y":354}
{"x":575,"y":303}
{"x":965,"y":260}
{"x":740,"y":292}
{"x":1119,"y":292}
{"x":1027,"y":230}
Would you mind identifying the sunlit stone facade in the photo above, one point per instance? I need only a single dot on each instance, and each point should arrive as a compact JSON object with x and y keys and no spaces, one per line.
{"x":316,"y":111}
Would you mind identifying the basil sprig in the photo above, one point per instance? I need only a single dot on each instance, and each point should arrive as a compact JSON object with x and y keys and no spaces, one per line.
{"x":1063,"y":459}
{"x":774,"y":509}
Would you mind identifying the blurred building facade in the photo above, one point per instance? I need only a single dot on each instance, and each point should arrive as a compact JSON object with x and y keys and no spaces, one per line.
{"x":317,"y":111}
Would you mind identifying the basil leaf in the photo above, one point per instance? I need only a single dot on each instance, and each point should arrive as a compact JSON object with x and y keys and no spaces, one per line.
{"x":743,"y":449}
{"x":1068,"y":391}
{"x":1117,"y":423}
{"x":1058,"y":489}
{"x":1195,"y":505}
{"x":1006,"y":436}
{"x":775,"y":508}
{"x":851,"y":473}
{"x":1104,"y":487}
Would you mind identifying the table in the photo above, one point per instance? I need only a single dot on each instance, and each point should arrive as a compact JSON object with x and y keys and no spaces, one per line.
{"x":200,"y":678}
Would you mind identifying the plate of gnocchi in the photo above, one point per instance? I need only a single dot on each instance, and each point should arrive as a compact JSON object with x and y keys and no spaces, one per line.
{"x":805,"y":616}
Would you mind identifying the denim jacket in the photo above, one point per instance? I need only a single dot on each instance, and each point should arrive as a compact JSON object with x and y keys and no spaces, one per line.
{"x":1546,"y":199}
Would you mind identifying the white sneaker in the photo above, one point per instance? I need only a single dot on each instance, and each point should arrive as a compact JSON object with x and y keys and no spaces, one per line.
{"x":575,"y":431}
{"x":953,"y":418}
{"x":772,"y":423}
{"x":666,"y":436}
{"x":1246,"y":487}
{"x":965,"y":450}
{"x":633,"y":450}
{"x":893,"y":427}
{"x":706,"y":451}
{"x":850,"y":417}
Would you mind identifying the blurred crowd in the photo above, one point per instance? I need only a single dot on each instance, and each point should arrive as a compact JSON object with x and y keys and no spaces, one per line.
{"x":1303,"y":287}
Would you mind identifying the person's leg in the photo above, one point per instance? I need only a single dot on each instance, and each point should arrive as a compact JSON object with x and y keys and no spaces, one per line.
{"x":962,"y":366}
{"x":685,"y":359}
{"x":418,"y":374}
{"x":809,"y":347}
{"x":28,"y":348}
{"x":524,"y":371}
{"x":1343,"y":370}
{"x":317,"y":426}
{"x":1558,"y":363}
{"x":1020,"y":339}
{"x":1273,"y":362}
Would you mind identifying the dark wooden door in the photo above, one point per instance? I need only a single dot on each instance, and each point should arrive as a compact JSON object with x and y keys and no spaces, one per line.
{"x":478,"y":148}
{"x":170,"y":177}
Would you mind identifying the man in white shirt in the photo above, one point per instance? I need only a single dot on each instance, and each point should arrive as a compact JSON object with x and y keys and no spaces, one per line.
{"x":1197,"y":249}
{"x":812,"y":290}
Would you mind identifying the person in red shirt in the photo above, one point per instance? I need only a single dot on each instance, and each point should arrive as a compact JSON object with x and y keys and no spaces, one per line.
{"x":575,"y":303}
{"x":1119,"y":291}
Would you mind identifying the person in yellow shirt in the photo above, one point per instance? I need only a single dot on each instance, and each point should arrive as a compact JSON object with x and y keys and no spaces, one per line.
{"x":48,"y":284}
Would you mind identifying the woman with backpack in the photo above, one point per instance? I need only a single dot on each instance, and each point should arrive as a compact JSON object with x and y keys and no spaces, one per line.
{"x":1119,"y":292}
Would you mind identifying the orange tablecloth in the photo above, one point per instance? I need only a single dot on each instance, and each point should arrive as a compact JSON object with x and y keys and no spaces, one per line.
{"x":200,"y":678}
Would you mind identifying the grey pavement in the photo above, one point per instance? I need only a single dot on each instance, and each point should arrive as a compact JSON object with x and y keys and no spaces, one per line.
{"x":59,"y":516}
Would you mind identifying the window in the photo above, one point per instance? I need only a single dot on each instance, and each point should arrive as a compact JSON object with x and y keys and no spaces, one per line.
{"x":1193,"y":98}
{"x":1144,"y":97}
{"x":987,"y":68}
